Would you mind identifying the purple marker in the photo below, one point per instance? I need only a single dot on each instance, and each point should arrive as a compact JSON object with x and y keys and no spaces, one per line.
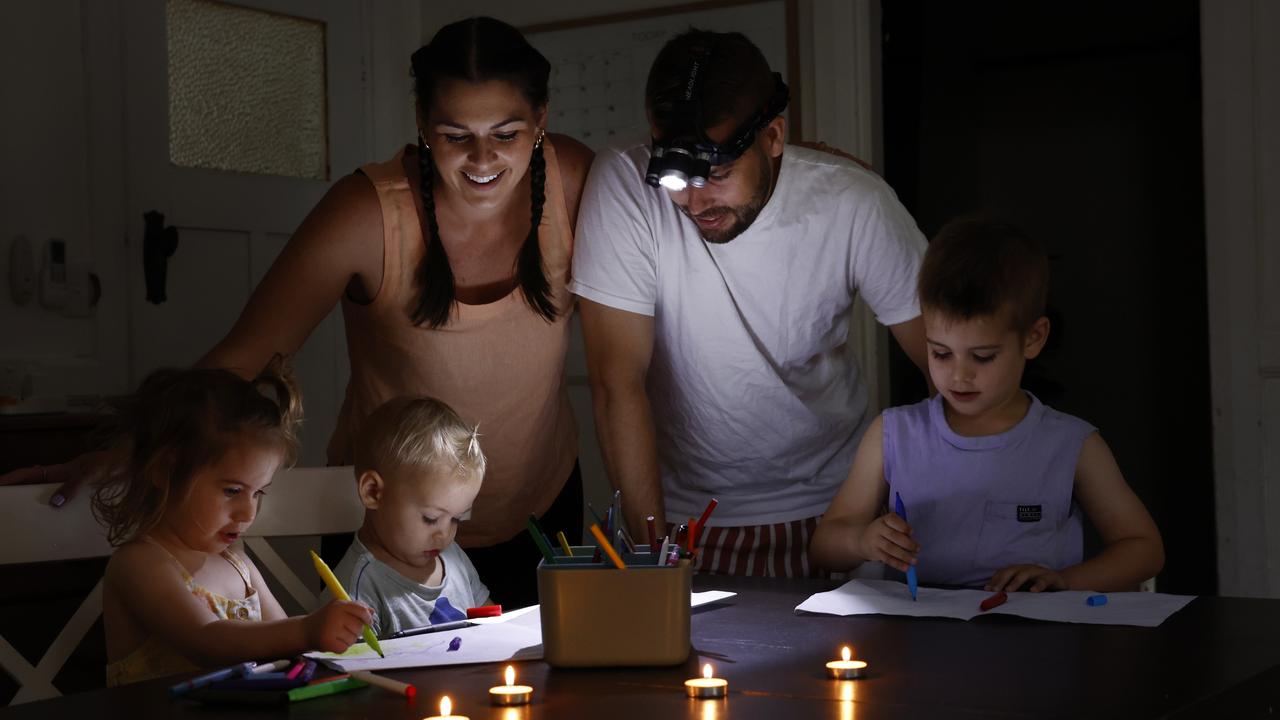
{"x":454,"y":644}
{"x":309,"y":671}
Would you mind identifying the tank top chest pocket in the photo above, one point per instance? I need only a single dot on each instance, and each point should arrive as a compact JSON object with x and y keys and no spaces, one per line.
{"x":1014,"y":533}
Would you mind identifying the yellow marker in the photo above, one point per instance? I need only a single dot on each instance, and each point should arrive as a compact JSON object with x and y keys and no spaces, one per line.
{"x":564,"y":543}
{"x":335,"y":587}
{"x":608,"y":548}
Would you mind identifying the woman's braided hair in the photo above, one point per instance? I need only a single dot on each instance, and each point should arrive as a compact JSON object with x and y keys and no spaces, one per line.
{"x":477,"y":50}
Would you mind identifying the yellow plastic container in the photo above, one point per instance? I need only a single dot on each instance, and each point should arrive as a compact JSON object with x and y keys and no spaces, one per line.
{"x":601,"y":617}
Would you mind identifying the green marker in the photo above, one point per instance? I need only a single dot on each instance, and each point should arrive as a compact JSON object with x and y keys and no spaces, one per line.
{"x":306,"y":692}
{"x":539,"y":539}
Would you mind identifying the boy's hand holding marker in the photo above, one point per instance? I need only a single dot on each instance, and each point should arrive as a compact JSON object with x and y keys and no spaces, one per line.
{"x":888,"y":539}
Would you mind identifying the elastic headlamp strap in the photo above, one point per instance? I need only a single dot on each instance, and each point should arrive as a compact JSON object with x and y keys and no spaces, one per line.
{"x":693,"y":91}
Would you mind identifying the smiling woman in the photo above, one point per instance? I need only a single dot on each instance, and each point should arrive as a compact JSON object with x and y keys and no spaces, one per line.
{"x":468,"y":303}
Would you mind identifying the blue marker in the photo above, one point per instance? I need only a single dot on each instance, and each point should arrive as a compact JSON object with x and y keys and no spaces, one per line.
{"x":198,"y":682}
{"x":901,"y":510}
{"x":1096,"y":600}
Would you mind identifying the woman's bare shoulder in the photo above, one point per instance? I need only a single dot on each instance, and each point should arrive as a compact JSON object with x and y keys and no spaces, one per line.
{"x":574,"y":160}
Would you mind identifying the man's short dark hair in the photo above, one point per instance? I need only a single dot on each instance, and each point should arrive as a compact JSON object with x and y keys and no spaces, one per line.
{"x":979,"y":267}
{"x":734,"y":79}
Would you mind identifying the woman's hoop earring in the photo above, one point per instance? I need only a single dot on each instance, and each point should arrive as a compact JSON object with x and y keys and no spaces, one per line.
{"x":538,"y":143}
{"x":422,"y":141}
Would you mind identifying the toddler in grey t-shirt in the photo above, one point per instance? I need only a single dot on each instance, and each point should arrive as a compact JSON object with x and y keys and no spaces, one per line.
{"x":418,"y":469}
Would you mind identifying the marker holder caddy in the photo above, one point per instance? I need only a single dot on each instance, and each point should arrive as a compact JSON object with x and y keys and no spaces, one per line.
{"x":595,"y":615}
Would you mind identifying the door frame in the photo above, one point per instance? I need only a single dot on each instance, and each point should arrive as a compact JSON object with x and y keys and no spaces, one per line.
{"x":1241,"y":105}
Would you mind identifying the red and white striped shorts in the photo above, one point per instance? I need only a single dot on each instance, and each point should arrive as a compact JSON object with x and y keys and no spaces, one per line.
{"x":778,"y":550}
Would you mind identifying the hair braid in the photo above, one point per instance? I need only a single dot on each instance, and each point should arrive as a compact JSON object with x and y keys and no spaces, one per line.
{"x":435,"y":276}
{"x":533,"y":278}
{"x":479,"y":50}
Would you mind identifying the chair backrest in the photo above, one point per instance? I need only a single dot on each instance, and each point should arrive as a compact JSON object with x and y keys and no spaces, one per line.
{"x":300,"y":502}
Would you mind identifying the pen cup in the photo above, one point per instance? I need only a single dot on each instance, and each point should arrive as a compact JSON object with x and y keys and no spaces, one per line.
{"x":596,"y":616}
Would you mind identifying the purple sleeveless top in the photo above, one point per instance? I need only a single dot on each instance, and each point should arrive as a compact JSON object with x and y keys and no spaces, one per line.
{"x":979,"y":504}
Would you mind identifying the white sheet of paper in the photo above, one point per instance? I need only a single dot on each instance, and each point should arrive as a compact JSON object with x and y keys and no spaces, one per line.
{"x":709,"y":596}
{"x":516,"y":635}
{"x":886,"y":597}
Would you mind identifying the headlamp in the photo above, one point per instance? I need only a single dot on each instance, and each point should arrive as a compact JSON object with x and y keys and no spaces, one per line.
{"x":687,"y":156}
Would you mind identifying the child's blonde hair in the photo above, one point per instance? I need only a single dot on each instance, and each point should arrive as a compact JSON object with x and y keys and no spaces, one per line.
{"x":418,"y":432}
{"x":182,"y":420}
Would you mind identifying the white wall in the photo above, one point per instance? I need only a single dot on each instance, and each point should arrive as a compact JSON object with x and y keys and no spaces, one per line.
{"x":50,"y":138}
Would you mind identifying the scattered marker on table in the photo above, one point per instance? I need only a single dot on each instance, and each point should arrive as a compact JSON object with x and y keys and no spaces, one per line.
{"x":994,"y":601}
{"x":386,"y":683}
{"x":201,"y":681}
{"x":1096,"y":600}
{"x":329,"y":686}
{"x":273,"y":666}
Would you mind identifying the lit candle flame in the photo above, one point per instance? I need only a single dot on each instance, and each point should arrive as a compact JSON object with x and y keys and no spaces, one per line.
{"x":845,"y":653}
{"x":446,"y":706}
{"x":511,"y":676}
{"x":706,"y":670}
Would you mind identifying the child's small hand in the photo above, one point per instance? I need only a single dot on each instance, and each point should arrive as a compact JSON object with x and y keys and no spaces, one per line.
{"x":888,"y":539}
{"x":337,"y":626}
{"x":1014,"y":577}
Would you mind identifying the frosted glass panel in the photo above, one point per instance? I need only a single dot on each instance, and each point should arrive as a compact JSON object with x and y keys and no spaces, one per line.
{"x":246,"y":90}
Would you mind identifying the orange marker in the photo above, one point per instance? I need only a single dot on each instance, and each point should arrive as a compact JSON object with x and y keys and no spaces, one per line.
{"x":607,"y":547}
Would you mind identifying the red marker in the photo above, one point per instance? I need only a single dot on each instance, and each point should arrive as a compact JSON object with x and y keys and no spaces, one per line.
{"x":484,"y":611}
{"x":386,"y":683}
{"x":653,"y":534}
{"x":994,"y":601}
{"x":706,"y":514}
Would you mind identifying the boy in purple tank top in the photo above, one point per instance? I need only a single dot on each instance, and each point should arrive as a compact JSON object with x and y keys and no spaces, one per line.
{"x":994,"y":481}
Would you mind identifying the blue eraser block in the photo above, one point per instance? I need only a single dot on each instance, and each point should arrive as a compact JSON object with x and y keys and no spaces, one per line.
{"x":1096,"y":600}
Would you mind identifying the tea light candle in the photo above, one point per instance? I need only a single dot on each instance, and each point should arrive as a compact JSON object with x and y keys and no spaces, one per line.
{"x":706,"y":686}
{"x":446,"y":711}
{"x":510,"y":694}
{"x":844,"y":668}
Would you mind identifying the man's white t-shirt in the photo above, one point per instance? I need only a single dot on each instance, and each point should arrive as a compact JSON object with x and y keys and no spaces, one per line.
{"x":756,"y":394}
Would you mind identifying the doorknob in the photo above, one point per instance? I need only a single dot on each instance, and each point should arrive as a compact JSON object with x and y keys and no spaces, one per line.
{"x":158,"y":245}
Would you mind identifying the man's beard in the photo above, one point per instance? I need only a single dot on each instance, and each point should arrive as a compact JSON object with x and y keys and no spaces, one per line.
{"x":743,"y":215}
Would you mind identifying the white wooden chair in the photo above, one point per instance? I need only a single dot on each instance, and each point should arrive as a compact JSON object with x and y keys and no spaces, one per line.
{"x":300,"y":502}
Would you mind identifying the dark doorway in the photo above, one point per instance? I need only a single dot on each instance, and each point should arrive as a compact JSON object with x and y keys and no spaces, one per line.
{"x":1079,"y":122}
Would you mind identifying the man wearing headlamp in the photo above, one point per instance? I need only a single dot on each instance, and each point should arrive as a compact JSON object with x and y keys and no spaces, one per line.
{"x":717,"y":270}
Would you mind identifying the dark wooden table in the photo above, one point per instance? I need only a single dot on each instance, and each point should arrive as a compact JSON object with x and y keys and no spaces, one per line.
{"x":1218,"y":657}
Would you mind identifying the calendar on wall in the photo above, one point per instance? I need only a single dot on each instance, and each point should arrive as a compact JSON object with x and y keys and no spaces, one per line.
{"x":599,"y":66}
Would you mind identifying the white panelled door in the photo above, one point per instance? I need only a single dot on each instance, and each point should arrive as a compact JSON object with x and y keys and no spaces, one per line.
{"x":236,"y":193}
